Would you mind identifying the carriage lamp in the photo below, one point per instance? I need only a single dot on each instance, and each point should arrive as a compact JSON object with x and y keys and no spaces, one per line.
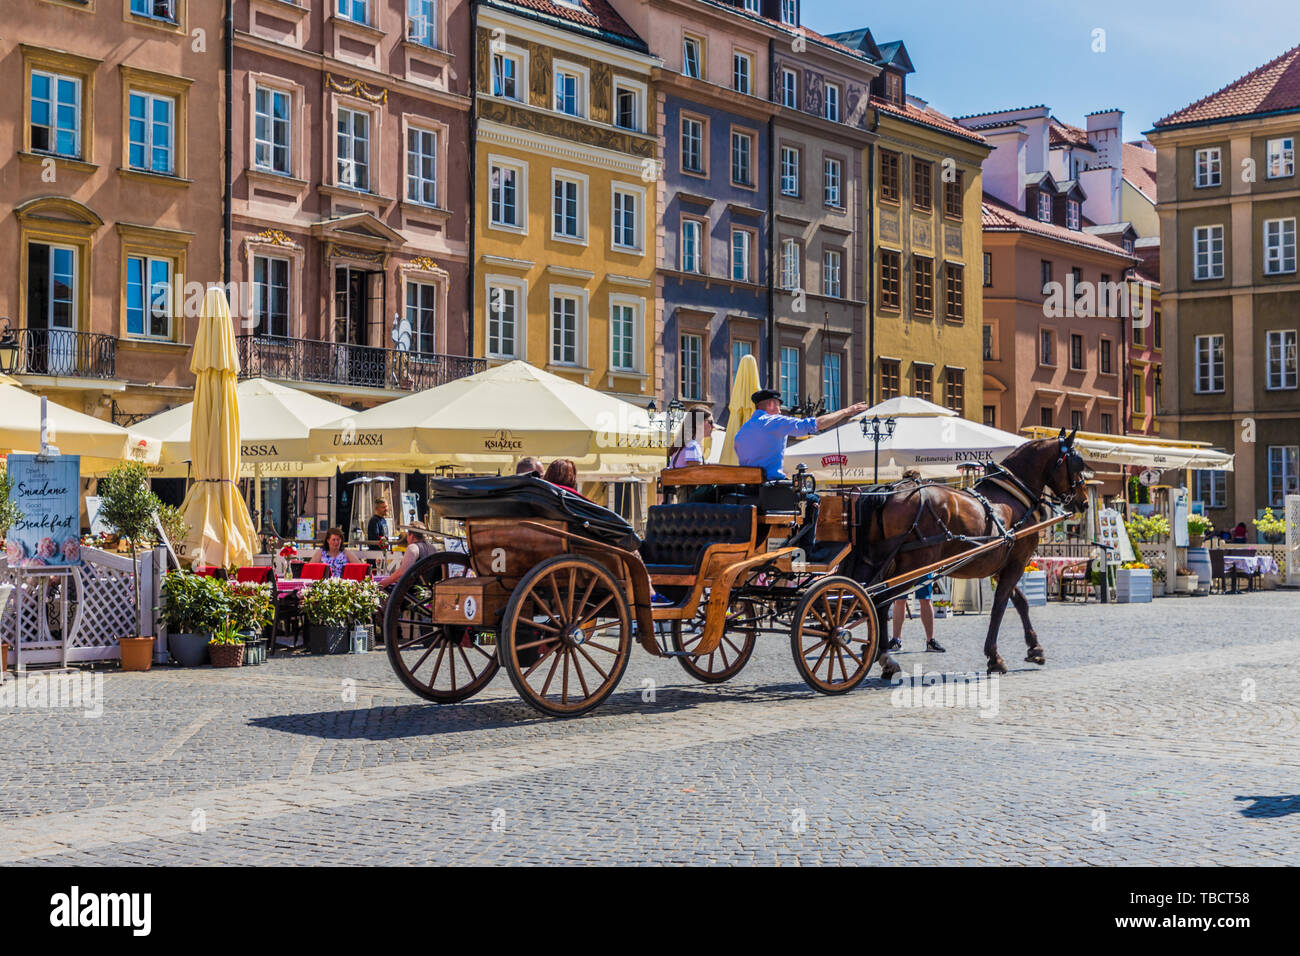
{"x":8,"y":347}
{"x":877,"y":430}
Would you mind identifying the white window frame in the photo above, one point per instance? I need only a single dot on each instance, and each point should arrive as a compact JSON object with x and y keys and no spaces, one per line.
{"x":699,"y":366}
{"x":1209,"y":167}
{"x":1044,"y":206}
{"x":833,"y":397}
{"x":579,"y":298}
{"x":272,"y":125}
{"x":520,"y":170}
{"x":1280,"y":360}
{"x":149,"y":298}
{"x":54,"y":101}
{"x":1280,"y":155}
{"x":580,"y":181}
{"x":752,"y":6}
{"x":415,"y":285}
{"x":520,"y":338}
{"x":742,"y":81}
{"x":352,"y":139}
{"x":696,"y":70}
{"x":1207,"y":370}
{"x":262,"y":325}
{"x":1072,"y":214}
{"x":790,"y":12}
{"x":417,"y":179}
{"x":637,"y":305}
{"x":582,"y":80}
{"x":827,"y":112}
{"x":702,"y":139}
{"x":1279,"y":246}
{"x":701,"y":255}
{"x":746,"y":249}
{"x":1214,"y":482}
{"x":1207,"y":252}
{"x":149,"y":10}
{"x":148,"y":144}
{"x":832,"y":182}
{"x":637,"y":194}
{"x":791,"y":265}
{"x":520,"y":59}
{"x":790,"y":171}
{"x":346,"y":10}
{"x":789,"y":88}
{"x":748,"y":137}
{"x":833,"y":273}
{"x":1283,"y":465}
{"x":422,"y":13}
{"x":638,"y":91}
{"x":789,"y":369}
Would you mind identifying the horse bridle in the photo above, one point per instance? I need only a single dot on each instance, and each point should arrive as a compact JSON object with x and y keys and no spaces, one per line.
{"x":1074,"y":467}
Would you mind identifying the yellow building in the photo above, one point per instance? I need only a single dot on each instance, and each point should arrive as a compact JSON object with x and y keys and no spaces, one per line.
{"x":565,"y":222}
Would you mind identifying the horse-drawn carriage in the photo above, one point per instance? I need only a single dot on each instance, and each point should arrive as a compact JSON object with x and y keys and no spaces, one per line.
{"x":555,"y":589}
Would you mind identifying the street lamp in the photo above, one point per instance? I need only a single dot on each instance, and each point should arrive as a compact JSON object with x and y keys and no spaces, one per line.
{"x":878,"y":430}
{"x":8,"y":347}
{"x":672,"y":416}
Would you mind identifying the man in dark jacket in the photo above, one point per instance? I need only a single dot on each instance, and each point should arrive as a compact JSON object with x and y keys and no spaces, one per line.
{"x":377,"y":526}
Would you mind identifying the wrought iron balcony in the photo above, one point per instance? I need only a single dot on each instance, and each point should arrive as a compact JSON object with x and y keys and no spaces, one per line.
{"x":341,"y":363}
{"x":65,"y":353}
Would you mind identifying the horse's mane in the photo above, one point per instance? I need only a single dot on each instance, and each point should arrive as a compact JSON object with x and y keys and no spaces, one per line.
{"x":1021,"y":462}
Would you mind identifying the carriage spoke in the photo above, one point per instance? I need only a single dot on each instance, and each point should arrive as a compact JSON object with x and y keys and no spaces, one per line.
{"x":554,"y":662}
{"x":474,"y":646}
{"x":603,"y":676}
{"x":564,"y":687}
{"x":540,"y":657}
{"x":577,"y":669}
{"x":825,"y":650}
{"x":451,"y":659}
{"x":573,"y":588}
{"x":433,"y":645}
{"x":586,"y":595}
{"x":588,"y":618}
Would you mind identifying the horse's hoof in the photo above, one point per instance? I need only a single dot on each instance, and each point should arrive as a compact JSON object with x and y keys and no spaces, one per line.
{"x":997,"y":665}
{"x":1036,"y":655}
{"x":888,"y":670}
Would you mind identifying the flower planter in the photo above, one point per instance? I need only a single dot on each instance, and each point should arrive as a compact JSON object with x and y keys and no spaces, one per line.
{"x":1272,"y":537}
{"x":1157,"y":587}
{"x":1133,"y":586}
{"x":1033,"y":585}
{"x":254,"y":648}
{"x":1195,"y":540}
{"x":1186,"y":584}
{"x":226,"y":655}
{"x":137,"y":653}
{"x":189,"y":650}
{"x":326,"y":639}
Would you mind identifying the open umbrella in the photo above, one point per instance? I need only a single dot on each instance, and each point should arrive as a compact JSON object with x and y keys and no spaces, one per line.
{"x":221,"y":530}
{"x":740,"y":407}
{"x":100,"y":444}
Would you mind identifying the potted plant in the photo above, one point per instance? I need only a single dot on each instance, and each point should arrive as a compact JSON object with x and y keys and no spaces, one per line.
{"x":327,"y":606}
{"x":1158,"y":581}
{"x":127,"y":504}
{"x":366,"y":600}
{"x":1033,"y":585}
{"x":252,"y":610}
{"x":1270,"y":527}
{"x":1198,"y":526}
{"x":194,"y":606}
{"x":943,"y":609}
{"x":1186,"y":581}
{"x":226,"y":647}
{"x":1133,"y":583}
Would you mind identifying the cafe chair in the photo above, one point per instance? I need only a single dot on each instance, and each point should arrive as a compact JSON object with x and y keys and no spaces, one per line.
{"x":255,"y":575}
{"x":356,"y":571}
{"x":314,"y":570}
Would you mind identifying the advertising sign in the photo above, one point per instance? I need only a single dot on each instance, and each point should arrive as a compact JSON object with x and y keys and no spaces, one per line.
{"x":48,"y":491}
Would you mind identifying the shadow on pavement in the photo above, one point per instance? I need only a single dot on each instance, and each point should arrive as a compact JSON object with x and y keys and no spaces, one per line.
{"x":1267,"y":807}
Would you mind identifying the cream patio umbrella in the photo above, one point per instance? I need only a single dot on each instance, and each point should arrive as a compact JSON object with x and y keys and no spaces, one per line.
{"x":740,"y":407}
{"x":221,"y":530}
{"x":100,"y":444}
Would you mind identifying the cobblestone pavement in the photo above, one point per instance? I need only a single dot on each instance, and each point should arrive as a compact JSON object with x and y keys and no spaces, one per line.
{"x":1157,"y":734}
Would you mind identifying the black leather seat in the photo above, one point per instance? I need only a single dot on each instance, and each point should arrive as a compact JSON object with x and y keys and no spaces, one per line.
{"x":677,"y":535}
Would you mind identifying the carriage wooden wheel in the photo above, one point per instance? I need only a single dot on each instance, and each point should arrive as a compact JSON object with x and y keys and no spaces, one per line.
{"x":834,"y":635}
{"x":440,"y":662}
{"x":566,"y":635}
{"x":731,"y":655}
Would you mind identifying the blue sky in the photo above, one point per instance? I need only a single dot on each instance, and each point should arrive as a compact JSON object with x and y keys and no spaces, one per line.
{"x":973,"y":56}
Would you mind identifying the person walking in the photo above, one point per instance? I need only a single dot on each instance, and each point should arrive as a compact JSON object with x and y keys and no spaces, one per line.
{"x":923,"y":596}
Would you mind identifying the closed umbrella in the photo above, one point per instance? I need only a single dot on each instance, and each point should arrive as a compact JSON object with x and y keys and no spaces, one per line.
{"x":740,"y":407}
{"x":221,"y":530}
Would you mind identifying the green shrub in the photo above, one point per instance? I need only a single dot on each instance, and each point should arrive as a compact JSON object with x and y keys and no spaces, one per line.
{"x":334,"y":602}
{"x":194,"y":603}
{"x":252,"y":608}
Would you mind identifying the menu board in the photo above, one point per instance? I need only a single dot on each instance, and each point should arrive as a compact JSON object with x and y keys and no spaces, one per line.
{"x":47,"y":490}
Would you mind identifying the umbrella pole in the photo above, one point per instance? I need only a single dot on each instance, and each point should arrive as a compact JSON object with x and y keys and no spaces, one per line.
{"x":257,"y":493}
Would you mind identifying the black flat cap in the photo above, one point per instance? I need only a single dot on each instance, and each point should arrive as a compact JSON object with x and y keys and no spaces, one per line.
{"x":763,"y":395}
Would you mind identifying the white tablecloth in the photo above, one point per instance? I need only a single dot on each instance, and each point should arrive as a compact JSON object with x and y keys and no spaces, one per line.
{"x":1256,"y":564}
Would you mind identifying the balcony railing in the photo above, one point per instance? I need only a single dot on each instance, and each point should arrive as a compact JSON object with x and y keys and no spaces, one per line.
{"x":341,"y":363}
{"x":66,"y":353}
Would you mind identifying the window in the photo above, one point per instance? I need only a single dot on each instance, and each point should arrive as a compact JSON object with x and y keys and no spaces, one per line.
{"x":1045,"y":344}
{"x":890,"y":379}
{"x":1044,"y":206}
{"x":564,"y":330}
{"x":1107,"y":423}
{"x":422,"y":24}
{"x":832,"y":103}
{"x":1281,"y":158}
{"x":506,"y":207}
{"x":627,"y":218}
{"x":1076,"y":420}
{"x":155,"y":9}
{"x":692,"y":378}
{"x":691,"y":58}
{"x":151,"y":134}
{"x":1128,"y":245}
{"x":790,"y":363}
{"x":742,"y":70}
{"x":1208,"y":167}
{"x":923,"y":285}
{"x":506,"y":70}
{"x":422,"y":316}
{"x":831,"y":268}
{"x":1209,"y":359}
{"x":1210,"y":488}
{"x":889,"y":176}
{"x":568,"y":218}
{"x":1076,"y":353}
{"x":831,"y":176}
{"x":954,"y":282}
{"x":890,"y":279}
{"x":752,"y":6}
{"x":503,"y":321}
{"x":894,"y":88}
{"x":790,"y":89}
{"x":692,"y":145}
{"x":742,"y":158}
{"x":271,"y":296}
{"x":789,"y":12}
{"x":1279,"y":246}
{"x":623,"y":336}
{"x":739,"y":349}
{"x":1156,"y":331}
{"x":1046,"y":416}
{"x":148,"y":297}
{"x":921,"y":195}
{"x":1139,"y":393}
{"x":988,"y":343}
{"x":1076,"y":280}
{"x":1281,"y":350}
{"x":831,"y":379}
{"x":422,"y":166}
{"x":1104,"y":357}
{"x":991,"y":416}
{"x":952,"y":197}
{"x":789,"y":171}
{"x":56,"y":114}
{"x":692,"y":258}
{"x":1207,"y":250}
{"x":988,"y":270}
{"x":568,"y":92}
{"x":1072,"y":214}
{"x":627,"y":107}
{"x":923,"y":381}
{"x":1045,"y":274}
{"x":791,"y":264}
{"x":1283,"y":473}
{"x":272,"y":131}
{"x":741,"y":251}
{"x":954,"y":389}
{"x":354,"y":149}
{"x":1103,"y":305}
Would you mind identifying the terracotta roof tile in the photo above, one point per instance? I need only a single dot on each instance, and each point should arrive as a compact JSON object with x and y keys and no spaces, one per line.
{"x":927,"y":117}
{"x":594,"y":14}
{"x":1063,"y":134}
{"x":1140,"y":168}
{"x":997,"y":216}
{"x":1274,"y":86}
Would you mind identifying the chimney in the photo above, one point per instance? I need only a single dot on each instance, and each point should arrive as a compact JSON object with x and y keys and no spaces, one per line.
{"x":1105,"y":129}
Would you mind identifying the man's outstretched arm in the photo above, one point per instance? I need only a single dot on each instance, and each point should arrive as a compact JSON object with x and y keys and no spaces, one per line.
{"x":833,"y":419}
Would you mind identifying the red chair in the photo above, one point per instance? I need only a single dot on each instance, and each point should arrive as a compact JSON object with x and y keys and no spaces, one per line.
{"x":356,"y":571}
{"x":314,"y":570}
{"x":255,"y":575}
{"x":208,"y":571}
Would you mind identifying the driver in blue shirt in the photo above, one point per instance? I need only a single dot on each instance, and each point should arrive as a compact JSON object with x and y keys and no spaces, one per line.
{"x":760,"y":442}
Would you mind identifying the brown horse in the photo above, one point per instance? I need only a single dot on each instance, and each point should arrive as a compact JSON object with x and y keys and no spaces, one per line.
{"x":921,"y":523}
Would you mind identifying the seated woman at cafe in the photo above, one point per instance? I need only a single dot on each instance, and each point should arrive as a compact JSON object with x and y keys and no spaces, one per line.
{"x":333,"y":555}
{"x":417,"y":547}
